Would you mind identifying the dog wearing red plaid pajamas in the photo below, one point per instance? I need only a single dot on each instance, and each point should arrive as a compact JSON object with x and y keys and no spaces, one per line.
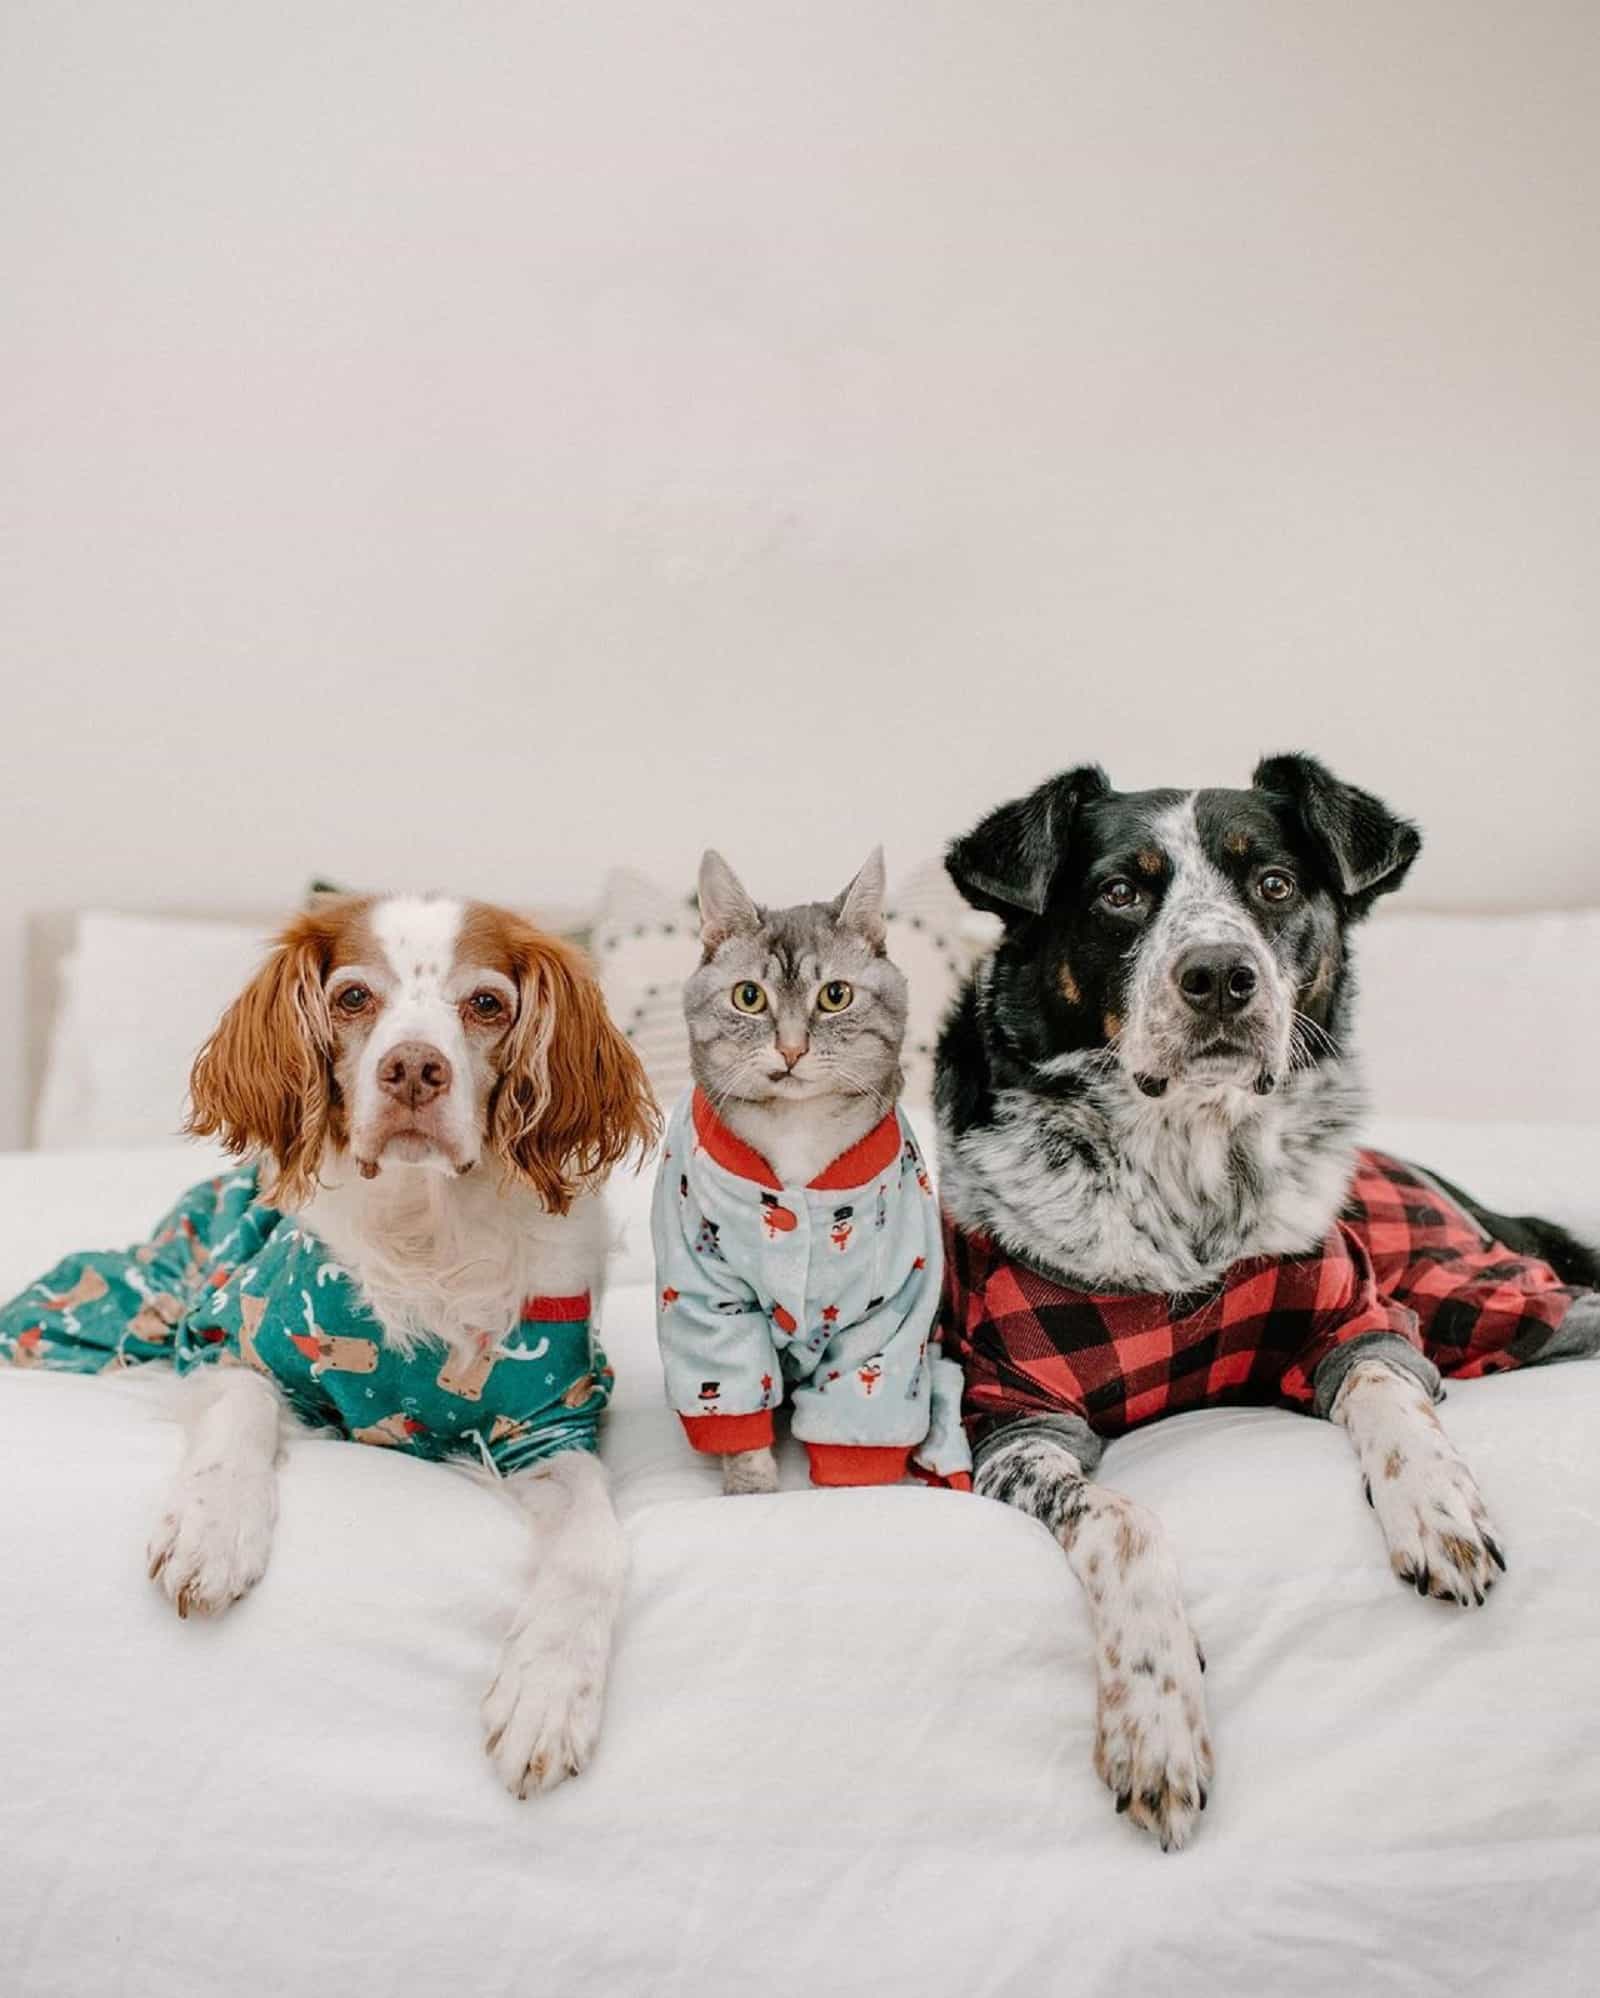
{"x":1154,"y":1200}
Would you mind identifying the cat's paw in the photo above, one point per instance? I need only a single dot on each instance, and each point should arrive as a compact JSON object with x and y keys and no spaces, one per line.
{"x":750,"y":1471}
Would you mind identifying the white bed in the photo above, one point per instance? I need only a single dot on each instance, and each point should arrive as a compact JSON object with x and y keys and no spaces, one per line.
{"x":847,"y":1745}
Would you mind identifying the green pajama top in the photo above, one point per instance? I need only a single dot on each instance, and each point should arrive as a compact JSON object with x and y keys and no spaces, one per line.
{"x":228,"y":1280}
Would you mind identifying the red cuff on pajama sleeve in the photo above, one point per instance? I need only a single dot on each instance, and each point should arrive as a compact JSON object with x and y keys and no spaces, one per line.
{"x":722,"y":1435}
{"x":857,"y":1463}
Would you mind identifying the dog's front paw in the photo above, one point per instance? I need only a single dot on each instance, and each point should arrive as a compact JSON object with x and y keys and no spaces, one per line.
{"x":750,"y":1471}
{"x":542,"y":1713}
{"x":1151,"y":1745}
{"x":211,"y":1543}
{"x":1433,"y":1519}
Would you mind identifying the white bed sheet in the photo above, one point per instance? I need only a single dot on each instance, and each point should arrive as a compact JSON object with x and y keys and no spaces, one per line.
{"x":847,"y":1744}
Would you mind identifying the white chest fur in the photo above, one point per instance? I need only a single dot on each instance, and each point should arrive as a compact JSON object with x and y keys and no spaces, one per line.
{"x":1118,"y":1192}
{"x":800,"y":1140}
{"x":454,"y":1257}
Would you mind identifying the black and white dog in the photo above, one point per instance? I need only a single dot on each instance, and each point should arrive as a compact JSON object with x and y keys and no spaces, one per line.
{"x":1146,"y":1085}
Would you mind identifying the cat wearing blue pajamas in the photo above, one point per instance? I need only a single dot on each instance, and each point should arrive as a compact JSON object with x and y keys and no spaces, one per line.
{"x":797,"y":1239}
{"x":826,"y":1293}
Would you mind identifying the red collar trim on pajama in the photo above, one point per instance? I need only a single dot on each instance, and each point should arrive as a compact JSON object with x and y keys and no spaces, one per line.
{"x":865,"y":1159}
{"x":555,"y":1310}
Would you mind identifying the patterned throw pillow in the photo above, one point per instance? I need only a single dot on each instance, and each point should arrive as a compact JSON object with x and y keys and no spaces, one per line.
{"x":646,"y":941}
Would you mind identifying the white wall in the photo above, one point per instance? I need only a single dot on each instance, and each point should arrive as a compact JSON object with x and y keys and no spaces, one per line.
{"x":477,"y":444}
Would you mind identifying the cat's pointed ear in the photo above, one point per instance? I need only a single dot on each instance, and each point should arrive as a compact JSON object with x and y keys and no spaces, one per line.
{"x":1367,"y":848}
{"x":1007,"y":863}
{"x":724,"y":906}
{"x":860,"y":907}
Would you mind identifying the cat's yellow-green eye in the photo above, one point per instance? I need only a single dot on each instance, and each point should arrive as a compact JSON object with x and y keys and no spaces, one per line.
{"x":835,"y":996}
{"x":748,"y":997}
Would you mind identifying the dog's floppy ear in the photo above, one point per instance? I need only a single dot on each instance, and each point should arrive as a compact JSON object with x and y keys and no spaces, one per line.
{"x":1369,"y":849}
{"x":263,"y":1082}
{"x":572,"y":1099}
{"x":1007,"y":863}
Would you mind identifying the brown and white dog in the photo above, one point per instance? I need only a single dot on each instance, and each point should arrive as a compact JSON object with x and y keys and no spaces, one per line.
{"x":435,"y":1089}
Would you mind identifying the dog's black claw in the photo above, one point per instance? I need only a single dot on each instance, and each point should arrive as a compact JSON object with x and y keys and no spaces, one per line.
{"x":1495,"y":1554}
{"x":1367,"y":1487}
{"x":1200,"y":1654}
{"x":1124,"y":1799}
{"x":1424,"y":1582}
{"x":1205,"y":1797}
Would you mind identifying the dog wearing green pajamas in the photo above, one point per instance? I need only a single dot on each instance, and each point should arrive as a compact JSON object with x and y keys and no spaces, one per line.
{"x":428,"y":1095}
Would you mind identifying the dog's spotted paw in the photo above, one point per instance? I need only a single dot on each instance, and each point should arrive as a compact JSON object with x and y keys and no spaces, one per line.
{"x":542,"y":1713}
{"x":1433,"y":1519}
{"x":1151,"y":1747}
{"x":211,"y":1543}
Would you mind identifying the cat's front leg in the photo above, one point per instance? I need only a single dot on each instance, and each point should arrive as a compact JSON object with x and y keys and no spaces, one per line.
{"x":750,"y":1471}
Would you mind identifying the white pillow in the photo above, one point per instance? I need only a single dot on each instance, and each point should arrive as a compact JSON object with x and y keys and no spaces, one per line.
{"x":646,"y":941}
{"x":1481,"y":1017}
{"x":138,"y":996}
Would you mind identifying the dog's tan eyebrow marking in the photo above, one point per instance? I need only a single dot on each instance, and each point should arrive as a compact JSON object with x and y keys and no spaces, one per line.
{"x":1148,"y":860}
{"x":1067,"y":984}
{"x":1238,"y":842}
{"x":1113,"y":1025}
{"x":355,"y":941}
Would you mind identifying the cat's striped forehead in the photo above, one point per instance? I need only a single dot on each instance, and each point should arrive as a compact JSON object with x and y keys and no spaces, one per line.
{"x":795,"y":947}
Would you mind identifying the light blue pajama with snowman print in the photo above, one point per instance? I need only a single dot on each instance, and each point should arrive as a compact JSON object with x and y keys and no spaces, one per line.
{"x":827,"y":1293}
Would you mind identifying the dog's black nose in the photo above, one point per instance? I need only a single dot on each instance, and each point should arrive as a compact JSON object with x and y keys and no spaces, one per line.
{"x":1215,"y":980}
{"x":414,"y":1073}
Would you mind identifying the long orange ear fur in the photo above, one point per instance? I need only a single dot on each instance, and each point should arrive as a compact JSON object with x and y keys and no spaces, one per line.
{"x":573,"y":1100}
{"x":263,"y":1082}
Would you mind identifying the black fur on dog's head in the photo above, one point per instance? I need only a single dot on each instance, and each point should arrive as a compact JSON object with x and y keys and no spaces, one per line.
{"x":1189,"y":938}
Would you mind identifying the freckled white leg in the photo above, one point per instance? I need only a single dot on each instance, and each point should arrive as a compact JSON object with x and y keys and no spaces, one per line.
{"x":1152,"y":1747}
{"x":1426,"y":1500}
{"x":750,"y":1471}
{"x":211,"y":1543}
{"x":542,"y":1712}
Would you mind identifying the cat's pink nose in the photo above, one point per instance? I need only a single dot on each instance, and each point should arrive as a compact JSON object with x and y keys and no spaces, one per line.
{"x":792,"y":1055}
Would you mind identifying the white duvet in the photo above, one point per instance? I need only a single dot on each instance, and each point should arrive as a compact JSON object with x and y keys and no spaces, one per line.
{"x":847,"y":1742}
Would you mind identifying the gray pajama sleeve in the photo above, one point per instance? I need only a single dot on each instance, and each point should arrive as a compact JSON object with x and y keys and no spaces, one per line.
{"x":1389,"y":1347}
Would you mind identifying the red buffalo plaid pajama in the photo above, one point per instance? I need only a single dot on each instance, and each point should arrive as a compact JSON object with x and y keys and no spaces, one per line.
{"x":1404,"y":1265}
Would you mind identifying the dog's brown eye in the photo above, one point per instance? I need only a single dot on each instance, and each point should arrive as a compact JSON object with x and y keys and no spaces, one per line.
{"x":354,"y":999}
{"x":1119,"y":894}
{"x":486,"y":1005}
{"x":1275,"y":886}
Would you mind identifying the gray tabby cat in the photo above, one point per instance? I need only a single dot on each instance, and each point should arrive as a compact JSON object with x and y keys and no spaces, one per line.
{"x":796,"y":1020}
